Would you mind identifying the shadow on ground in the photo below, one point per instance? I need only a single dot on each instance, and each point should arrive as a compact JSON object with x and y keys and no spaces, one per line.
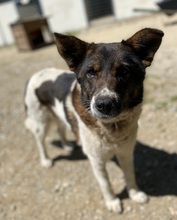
{"x":76,"y":153}
{"x":156,"y":170}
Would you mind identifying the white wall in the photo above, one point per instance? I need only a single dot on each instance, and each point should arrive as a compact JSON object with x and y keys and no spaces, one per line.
{"x":124,"y":8}
{"x":65,"y":15}
{"x":8,"y":15}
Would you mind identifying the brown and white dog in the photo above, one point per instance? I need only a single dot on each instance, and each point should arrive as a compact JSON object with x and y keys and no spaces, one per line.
{"x":100,"y":103}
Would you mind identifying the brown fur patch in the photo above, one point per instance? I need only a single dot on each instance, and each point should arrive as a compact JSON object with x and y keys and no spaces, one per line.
{"x":81,"y":110}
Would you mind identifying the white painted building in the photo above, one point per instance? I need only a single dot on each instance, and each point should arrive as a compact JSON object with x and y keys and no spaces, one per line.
{"x":8,"y":14}
{"x":124,"y":9}
{"x":66,"y":15}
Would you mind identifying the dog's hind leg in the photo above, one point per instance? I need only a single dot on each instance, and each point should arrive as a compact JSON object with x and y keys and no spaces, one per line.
{"x":39,"y":130}
{"x":99,"y":169}
{"x":62,"y":129}
{"x":125,"y":156}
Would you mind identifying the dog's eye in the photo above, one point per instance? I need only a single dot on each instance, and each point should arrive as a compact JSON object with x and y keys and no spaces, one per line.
{"x":91,"y":74}
{"x":122,"y":72}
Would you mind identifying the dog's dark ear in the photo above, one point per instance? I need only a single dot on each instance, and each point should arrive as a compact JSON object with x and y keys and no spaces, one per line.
{"x":145,"y":43}
{"x":72,"y":49}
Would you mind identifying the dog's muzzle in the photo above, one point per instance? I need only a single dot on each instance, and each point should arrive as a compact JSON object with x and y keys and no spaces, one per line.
{"x":105,"y":107}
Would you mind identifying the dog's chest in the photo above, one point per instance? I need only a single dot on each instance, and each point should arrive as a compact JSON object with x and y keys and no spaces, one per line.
{"x":104,"y":140}
{"x":113,"y":133}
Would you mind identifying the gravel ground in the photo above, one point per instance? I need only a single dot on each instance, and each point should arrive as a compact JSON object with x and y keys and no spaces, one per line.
{"x":68,"y":190}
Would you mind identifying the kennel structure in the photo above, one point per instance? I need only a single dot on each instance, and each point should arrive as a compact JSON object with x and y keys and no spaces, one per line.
{"x":32,"y":34}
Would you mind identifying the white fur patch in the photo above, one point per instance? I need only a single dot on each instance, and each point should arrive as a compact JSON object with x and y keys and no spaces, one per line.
{"x":138,"y":196}
{"x":108,"y":93}
{"x":58,"y":109}
{"x":114,"y":205}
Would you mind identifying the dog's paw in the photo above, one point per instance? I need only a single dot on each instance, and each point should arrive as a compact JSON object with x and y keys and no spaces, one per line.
{"x":138,"y":196}
{"x":47,"y":163}
{"x":114,"y":205}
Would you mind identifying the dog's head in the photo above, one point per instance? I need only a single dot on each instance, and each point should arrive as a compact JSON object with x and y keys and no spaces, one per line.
{"x":110,"y":74}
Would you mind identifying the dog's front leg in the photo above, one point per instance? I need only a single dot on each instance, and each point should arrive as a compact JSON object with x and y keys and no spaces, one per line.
{"x":125,"y":157}
{"x":99,"y":169}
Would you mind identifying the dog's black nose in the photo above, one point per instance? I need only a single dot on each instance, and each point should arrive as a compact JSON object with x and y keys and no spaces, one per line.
{"x":104,"y":105}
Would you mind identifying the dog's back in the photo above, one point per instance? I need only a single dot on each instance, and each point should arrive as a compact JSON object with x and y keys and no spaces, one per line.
{"x":45,"y":96}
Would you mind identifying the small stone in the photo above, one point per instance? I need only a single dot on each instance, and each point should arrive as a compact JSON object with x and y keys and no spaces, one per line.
{"x":66,"y":185}
{"x":13,"y":207}
{"x":128,"y":209}
{"x":57,"y":188}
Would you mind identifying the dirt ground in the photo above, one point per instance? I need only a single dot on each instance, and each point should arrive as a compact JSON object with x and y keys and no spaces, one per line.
{"x":68,"y":191}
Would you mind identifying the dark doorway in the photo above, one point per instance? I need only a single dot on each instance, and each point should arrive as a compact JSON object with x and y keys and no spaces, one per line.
{"x":98,"y":8}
